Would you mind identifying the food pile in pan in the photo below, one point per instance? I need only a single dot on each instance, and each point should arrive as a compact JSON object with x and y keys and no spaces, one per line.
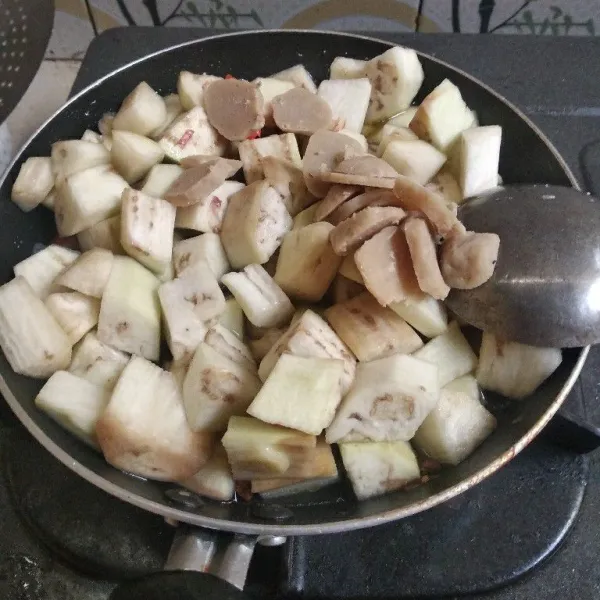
{"x":301,"y":303}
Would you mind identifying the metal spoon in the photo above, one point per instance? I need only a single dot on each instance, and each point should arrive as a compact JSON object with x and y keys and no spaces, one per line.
{"x":545,"y":290}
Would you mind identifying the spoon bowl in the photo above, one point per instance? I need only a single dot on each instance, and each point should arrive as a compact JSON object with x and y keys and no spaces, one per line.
{"x":545,"y":290}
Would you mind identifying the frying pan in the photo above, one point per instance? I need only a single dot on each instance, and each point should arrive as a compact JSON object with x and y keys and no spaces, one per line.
{"x":526,"y":157}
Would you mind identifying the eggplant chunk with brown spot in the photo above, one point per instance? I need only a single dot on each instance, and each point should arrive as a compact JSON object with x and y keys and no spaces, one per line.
{"x":215,"y":389}
{"x":227,"y":344}
{"x":423,"y":253}
{"x":386,"y":267}
{"x":129,"y":312}
{"x":254,"y":225}
{"x":147,"y":226}
{"x":370,"y":330}
{"x":144,"y":429}
{"x":388,"y":401}
{"x":363,"y":225}
{"x":512,"y":369}
{"x":396,"y":76}
{"x":71,"y":156}
{"x":31,"y":339}
{"x":300,"y":111}
{"x":97,"y":362}
{"x":207,"y":247}
{"x":235,"y":108}
{"x":468,"y":260}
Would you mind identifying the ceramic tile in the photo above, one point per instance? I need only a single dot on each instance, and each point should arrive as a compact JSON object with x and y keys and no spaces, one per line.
{"x":72,"y":32}
{"x":247,"y":14}
{"x":541,"y":17}
{"x":48,"y":91}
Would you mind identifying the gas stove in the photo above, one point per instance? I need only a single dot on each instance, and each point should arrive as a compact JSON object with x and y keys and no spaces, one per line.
{"x":61,"y":538}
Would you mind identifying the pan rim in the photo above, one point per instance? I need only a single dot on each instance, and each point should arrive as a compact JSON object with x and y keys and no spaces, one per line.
{"x":309,"y":529}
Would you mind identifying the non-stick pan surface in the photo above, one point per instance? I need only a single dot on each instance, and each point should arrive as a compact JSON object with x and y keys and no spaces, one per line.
{"x":527,"y":157}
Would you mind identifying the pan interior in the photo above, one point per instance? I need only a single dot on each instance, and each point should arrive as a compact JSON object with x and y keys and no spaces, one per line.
{"x":526,"y":157}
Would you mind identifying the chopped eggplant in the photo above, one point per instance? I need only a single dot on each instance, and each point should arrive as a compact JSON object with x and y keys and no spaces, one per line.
{"x":191,"y":134}
{"x":129,"y":312}
{"x":347,"y":68}
{"x":74,"y":403}
{"x":34,"y":183}
{"x":458,"y":423}
{"x":191,"y":88}
{"x":97,"y":362}
{"x":86,"y":198}
{"x":426,"y":314}
{"x":74,"y":312}
{"x":89,"y":273}
{"x":284,"y":147}
{"x":348,"y":100}
{"x":270,"y":88}
{"x":215,"y":389}
{"x":144,"y":429}
{"x":255,"y":222}
{"x":306,"y":217}
{"x":174,"y":109}
{"x":388,"y":401}
{"x":147,"y":226}
{"x":207,"y":247}
{"x":104,"y":234}
{"x":379,"y":467}
{"x":142,"y":112}
{"x":310,"y":337}
{"x":71,"y":156}
{"x":415,"y":159}
{"x":442,"y":116}
{"x":31,"y":339}
{"x":307,"y":263}
{"x":349,"y":269}
{"x":370,"y":330}
{"x":230,"y":346}
{"x":512,"y":369}
{"x":300,"y":393}
{"x":233,"y":317}
{"x":299,"y":76}
{"x":264,"y":303}
{"x":133,"y":155}
{"x":159,"y":179}
{"x":451,"y":353}
{"x":42,"y":268}
{"x":214,"y":480}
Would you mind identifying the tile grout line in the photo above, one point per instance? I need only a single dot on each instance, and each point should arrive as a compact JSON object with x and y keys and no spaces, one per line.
{"x":419,"y":13}
{"x":91,"y":17}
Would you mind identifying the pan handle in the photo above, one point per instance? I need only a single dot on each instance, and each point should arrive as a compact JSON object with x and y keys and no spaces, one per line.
{"x":202,"y":565}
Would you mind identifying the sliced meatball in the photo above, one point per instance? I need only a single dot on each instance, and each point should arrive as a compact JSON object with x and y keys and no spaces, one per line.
{"x":468,"y":259}
{"x":301,"y":111}
{"x":235,"y":108}
{"x":361,"y":226}
{"x":424,"y":257}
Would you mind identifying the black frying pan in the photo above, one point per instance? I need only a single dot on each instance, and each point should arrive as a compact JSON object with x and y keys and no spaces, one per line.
{"x":527,"y":157}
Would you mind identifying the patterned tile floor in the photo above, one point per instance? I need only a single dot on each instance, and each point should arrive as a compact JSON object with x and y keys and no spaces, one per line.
{"x":78,"y":21}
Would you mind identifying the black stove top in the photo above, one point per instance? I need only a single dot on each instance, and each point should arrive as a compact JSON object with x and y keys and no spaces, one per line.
{"x":63,"y":539}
